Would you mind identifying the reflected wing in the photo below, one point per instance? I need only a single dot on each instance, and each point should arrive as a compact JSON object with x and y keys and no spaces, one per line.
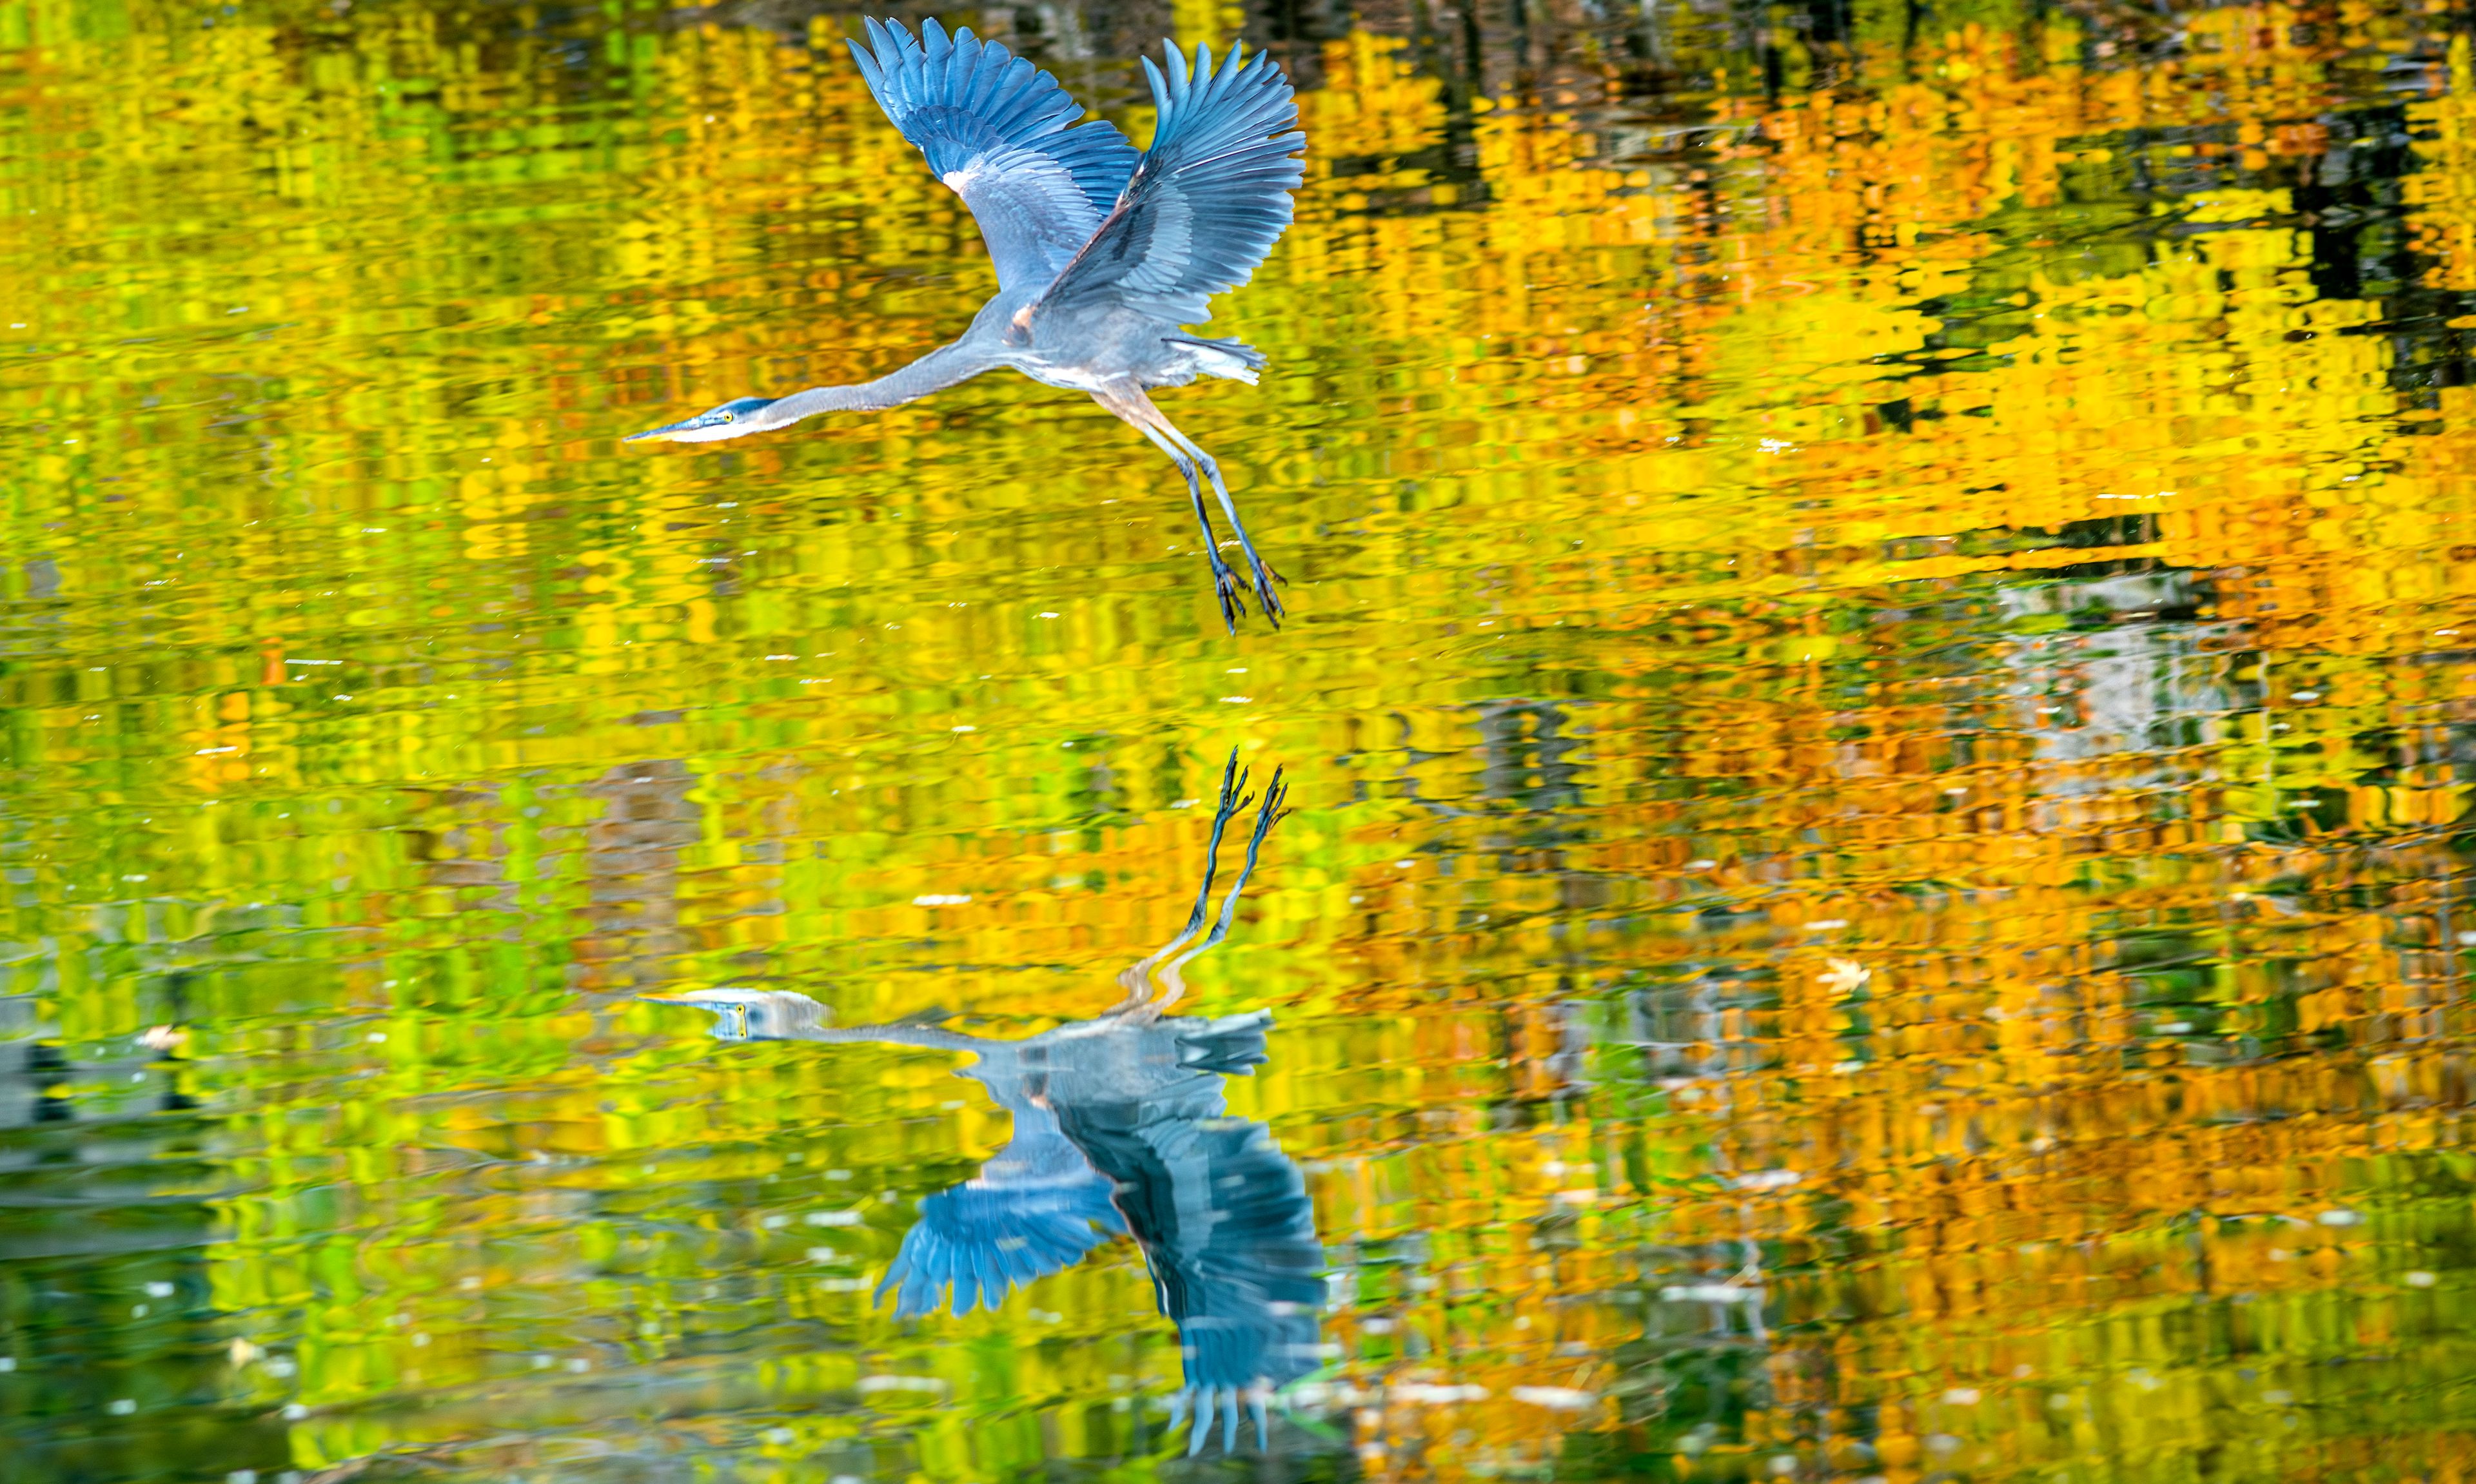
{"x":986,"y":1239}
{"x":1223,"y":1216}
{"x":1207,"y":201}
{"x":997,"y":128}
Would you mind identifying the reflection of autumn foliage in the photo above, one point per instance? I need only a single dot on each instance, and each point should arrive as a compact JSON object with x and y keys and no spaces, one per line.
{"x":1882,"y":716}
{"x":2200,"y":408}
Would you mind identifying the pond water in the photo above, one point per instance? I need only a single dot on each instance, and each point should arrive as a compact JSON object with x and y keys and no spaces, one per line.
{"x":1879,"y":711}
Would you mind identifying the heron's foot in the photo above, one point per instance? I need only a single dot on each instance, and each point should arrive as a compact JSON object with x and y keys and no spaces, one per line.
{"x":1265,"y":569}
{"x":1267,"y":596}
{"x":1231,"y":592}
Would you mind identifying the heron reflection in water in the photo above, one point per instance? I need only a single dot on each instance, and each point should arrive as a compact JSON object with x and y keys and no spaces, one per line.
{"x":1120,"y":1127}
{"x":1104,"y":255}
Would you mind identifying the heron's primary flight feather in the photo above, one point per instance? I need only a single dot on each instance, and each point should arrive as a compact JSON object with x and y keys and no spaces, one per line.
{"x":1003,"y":134}
{"x":1037,"y":1207}
{"x":1206,"y":202}
{"x":1225,"y":1218}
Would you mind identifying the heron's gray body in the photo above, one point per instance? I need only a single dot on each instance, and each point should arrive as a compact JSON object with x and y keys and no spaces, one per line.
{"x":1104,"y":255}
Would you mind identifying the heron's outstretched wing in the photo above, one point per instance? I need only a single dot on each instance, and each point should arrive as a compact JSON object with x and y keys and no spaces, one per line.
{"x":986,"y":1239}
{"x":1003,"y":134}
{"x":1225,"y":1218}
{"x":1206,"y":202}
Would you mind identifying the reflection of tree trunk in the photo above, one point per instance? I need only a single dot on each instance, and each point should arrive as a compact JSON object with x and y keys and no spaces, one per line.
{"x":28,"y":1076}
{"x":461,"y":847}
{"x":632,"y":861}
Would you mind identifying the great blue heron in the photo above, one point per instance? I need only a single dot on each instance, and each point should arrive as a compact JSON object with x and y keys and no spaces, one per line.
{"x":1120,"y":1126}
{"x":1103,"y":256}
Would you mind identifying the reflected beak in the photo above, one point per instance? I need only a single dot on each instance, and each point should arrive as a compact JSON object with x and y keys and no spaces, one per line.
{"x":726,"y":1006}
{"x":752,"y":1014}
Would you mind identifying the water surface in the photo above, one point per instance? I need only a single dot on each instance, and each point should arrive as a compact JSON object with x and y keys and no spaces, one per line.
{"x":1881,"y":705}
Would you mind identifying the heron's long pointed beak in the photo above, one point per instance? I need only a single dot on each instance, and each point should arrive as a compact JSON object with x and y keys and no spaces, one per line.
{"x":663,"y":431}
{"x":727,"y":1008}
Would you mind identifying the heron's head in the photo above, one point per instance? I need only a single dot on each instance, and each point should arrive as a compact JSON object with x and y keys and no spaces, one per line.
{"x":730,"y":420}
{"x":752,"y":1014}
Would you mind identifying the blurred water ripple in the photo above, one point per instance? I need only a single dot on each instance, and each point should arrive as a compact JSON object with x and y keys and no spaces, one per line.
{"x":1881,"y":706}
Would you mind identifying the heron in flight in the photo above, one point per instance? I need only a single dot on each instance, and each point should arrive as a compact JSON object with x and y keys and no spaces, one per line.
{"x":1121,"y":1127}
{"x":1104,"y":255}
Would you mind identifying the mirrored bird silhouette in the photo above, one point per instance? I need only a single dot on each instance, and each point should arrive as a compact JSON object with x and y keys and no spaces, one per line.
{"x":1120,"y":1126}
{"x":1104,"y":255}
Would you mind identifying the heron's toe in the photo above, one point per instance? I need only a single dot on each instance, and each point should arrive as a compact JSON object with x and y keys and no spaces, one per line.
{"x":1233,"y":594}
{"x":1269,"y":598}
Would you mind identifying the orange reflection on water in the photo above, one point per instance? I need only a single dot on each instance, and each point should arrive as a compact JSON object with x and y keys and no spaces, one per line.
{"x":1879,"y":713}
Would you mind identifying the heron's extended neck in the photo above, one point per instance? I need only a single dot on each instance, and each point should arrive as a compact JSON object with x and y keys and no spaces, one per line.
{"x":939,"y":369}
{"x":892,"y":1035}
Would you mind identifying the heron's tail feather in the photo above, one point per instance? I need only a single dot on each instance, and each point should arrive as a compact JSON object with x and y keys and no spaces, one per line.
{"x":1233,"y":360}
{"x":1233,"y":1045}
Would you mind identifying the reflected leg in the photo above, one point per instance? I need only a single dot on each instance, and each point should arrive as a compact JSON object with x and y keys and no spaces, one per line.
{"x":1136,"y":977}
{"x":1276,"y":794}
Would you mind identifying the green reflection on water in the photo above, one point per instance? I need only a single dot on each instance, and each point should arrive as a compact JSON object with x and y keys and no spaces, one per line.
{"x":1878,"y":709}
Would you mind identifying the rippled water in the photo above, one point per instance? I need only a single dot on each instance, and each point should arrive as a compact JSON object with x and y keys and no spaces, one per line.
{"x":1876,"y":707}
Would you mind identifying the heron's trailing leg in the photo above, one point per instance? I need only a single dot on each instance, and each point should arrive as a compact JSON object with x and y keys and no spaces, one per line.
{"x":1138,"y":410}
{"x":1258,"y":568}
{"x":1225,"y":583}
{"x":1276,"y":794}
{"x":1136,"y":977}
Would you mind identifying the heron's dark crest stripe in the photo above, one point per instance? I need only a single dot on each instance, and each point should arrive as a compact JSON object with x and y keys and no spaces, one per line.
{"x":1006,"y":137}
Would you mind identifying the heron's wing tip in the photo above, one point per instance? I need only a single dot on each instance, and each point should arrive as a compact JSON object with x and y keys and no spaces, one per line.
{"x":1210,"y":148}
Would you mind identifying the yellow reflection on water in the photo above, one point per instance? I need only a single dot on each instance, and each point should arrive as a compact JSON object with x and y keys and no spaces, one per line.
{"x":1878,"y":705}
